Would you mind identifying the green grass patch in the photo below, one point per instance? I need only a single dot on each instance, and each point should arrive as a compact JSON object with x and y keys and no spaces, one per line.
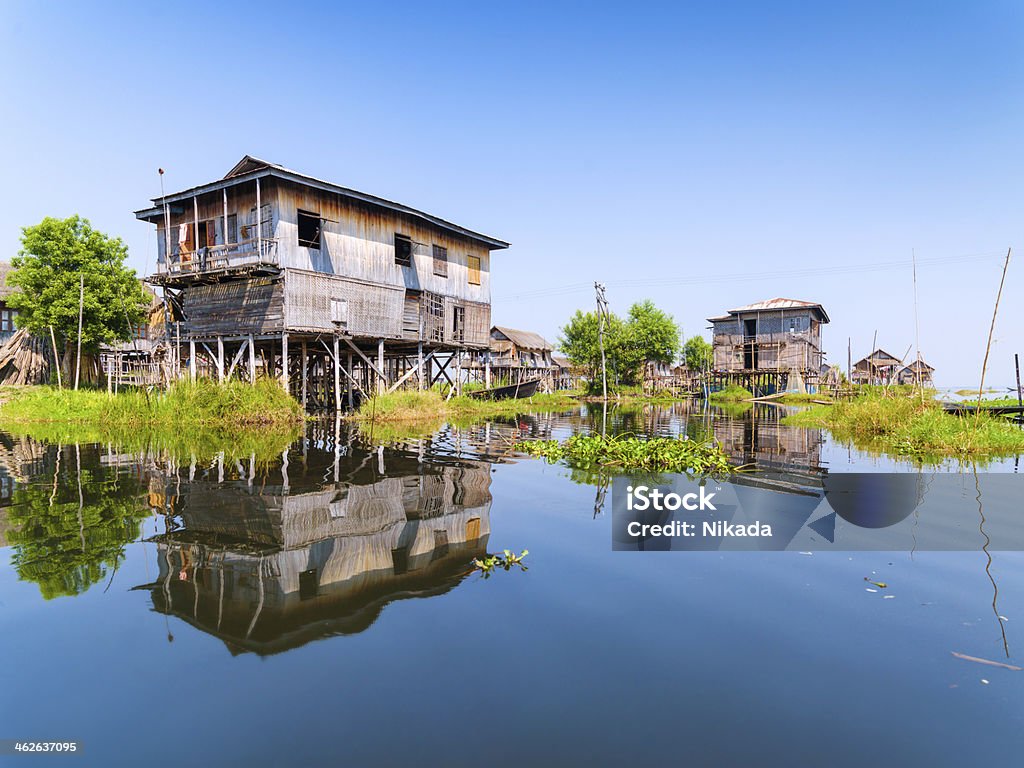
{"x":184,"y":405}
{"x":911,"y":426}
{"x":627,"y":453}
{"x":731,"y":394}
{"x":413,"y":407}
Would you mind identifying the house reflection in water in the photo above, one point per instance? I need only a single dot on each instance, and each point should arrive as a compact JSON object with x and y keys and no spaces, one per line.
{"x":270,"y":563}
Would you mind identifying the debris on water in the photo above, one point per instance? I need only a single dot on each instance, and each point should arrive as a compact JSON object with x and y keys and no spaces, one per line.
{"x":879,"y":584}
{"x":806,"y":553}
{"x":1003,"y":618}
{"x":889,"y":597}
{"x":869,"y":589}
{"x":984,"y":681}
{"x":988,"y":662}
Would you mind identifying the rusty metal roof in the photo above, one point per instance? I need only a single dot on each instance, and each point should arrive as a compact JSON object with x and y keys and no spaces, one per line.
{"x":523,"y":339}
{"x":250,"y":168}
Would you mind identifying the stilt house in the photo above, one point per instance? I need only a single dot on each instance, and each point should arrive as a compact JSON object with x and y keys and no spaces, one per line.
{"x":770,"y":341}
{"x":878,"y":368}
{"x":271,"y":270}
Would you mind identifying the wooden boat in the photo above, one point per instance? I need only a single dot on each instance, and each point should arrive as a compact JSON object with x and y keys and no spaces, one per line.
{"x":527,"y":388}
{"x":961,"y":409}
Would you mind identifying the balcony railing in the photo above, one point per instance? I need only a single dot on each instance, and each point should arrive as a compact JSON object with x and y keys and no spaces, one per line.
{"x":218,"y":258}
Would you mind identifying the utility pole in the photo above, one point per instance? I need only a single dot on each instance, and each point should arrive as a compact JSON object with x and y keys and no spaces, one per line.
{"x":81,"y":305}
{"x":602,"y":316}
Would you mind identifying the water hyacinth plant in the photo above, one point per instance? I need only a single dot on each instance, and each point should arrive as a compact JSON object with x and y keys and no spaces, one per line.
{"x":629,"y":453}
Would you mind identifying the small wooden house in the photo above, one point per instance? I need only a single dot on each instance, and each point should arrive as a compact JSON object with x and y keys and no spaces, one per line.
{"x":917,"y":372}
{"x":777,"y":336}
{"x":512,"y":348}
{"x":7,"y":315}
{"x":269,"y":269}
{"x":878,"y":368}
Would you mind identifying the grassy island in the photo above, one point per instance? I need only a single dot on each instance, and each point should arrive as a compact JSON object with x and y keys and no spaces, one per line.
{"x":906,"y":424}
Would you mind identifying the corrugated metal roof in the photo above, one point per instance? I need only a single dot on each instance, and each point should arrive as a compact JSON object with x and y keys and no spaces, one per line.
{"x":250,"y":168}
{"x":775,"y":305}
{"x":523,"y":339}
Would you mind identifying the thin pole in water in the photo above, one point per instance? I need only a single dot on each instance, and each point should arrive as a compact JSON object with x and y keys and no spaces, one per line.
{"x":1020,"y":397}
{"x":56,"y":358}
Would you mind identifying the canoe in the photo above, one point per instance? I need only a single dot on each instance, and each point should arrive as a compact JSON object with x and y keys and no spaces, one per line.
{"x":523,"y":389}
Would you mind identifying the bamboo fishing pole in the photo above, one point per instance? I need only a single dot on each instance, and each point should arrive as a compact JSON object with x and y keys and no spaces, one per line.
{"x":991,"y":332}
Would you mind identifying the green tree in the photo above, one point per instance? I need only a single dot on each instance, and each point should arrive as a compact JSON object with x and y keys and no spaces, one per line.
{"x":651,"y":336}
{"x":647,"y":334}
{"x":55,"y":255}
{"x":69,"y":533}
{"x":698,"y":354}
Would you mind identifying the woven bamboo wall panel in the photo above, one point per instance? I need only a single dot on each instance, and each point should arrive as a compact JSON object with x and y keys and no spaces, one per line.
{"x":373,"y":310}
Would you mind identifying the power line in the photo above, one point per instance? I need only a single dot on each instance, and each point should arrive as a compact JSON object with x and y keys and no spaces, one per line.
{"x":845,"y":269}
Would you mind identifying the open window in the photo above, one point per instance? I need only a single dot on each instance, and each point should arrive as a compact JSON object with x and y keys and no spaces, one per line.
{"x":473,"y":267}
{"x":403,"y":250}
{"x":440,"y":261}
{"x":309,"y":230}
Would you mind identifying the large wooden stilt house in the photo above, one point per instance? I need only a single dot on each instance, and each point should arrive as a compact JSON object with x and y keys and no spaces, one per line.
{"x":338,"y":293}
{"x":769,"y":346}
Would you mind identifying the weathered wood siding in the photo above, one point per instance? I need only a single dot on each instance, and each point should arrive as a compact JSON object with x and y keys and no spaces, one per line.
{"x":244,"y":306}
{"x":358,"y":242}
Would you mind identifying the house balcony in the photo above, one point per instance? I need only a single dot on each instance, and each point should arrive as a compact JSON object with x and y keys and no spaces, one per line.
{"x":213,"y":262}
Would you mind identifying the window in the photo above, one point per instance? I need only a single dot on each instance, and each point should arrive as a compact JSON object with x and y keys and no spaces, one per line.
{"x":403,"y":250}
{"x":473,"y":265}
{"x":232,"y":235}
{"x":309,"y":229}
{"x":6,"y":320}
{"x":459,"y":324}
{"x":440,"y":261}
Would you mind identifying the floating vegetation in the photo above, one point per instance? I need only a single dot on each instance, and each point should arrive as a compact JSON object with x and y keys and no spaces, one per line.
{"x":505,"y":561}
{"x":628,"y":453}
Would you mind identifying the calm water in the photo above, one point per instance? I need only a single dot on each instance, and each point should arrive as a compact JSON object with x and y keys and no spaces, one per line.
{"x":323,"y":608}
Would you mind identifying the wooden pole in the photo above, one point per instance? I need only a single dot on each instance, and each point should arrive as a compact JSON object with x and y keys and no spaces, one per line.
{"x":382,"y":382}
{"x":252,"y":360}
{"x":1020,"y":397}
{"x":348,"y":384}
{"x":259,"y":224}
{"x":220,"y":359}
{"x":81,"y":307}
{"x":56,"y":358}
{"x":991,"y":332}
{"x":304,"y":374}
{"x":419,"y":363}
{"x":284,"y":361}
{"x":192,"y":360}
{"x":337,"y":376}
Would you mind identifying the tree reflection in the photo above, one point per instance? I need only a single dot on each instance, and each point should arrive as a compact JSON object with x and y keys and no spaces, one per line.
{"x":70,"y":533}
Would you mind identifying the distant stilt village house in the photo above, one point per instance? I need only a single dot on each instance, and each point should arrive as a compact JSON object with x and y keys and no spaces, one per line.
{"x":339,"y":293}
{"x":770,"y":346}
{"x":881,"y":368}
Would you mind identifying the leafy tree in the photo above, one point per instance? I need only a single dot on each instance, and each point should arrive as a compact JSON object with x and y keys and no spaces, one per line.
{"x":55,"y":255}
{"x":648,"y":334}
{"x":64,"y":542}
{"x":652,"y":336}
{"x":698,"y":354}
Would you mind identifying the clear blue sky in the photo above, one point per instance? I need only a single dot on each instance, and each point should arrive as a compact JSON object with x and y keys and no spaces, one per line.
{"x":658,"y":148}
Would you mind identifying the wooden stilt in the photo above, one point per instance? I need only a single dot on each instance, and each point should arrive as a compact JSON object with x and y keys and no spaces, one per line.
{"x":252,"y":360}
{"x":305,"y":373}
{"x":382,"y":383}
{"x":351,"y":379}
{"x":284,"y":362}
{"x":191,"y":360}
{"x":337,"y":377}
{"x":220,"y":359}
